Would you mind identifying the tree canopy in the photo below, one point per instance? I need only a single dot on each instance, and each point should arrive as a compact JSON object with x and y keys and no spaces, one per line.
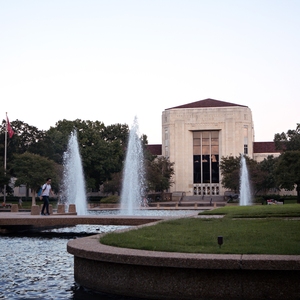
{"x":101,"y":147}
{"x":158,"y":171}
{"x":288,"y":141}
{"x":230,"y":170}
{"x":26,"y":138}
{"x":262,"y":176}
{"x":159,"y":174}
{"x":32,"y":170}
{"x":288,"y":171}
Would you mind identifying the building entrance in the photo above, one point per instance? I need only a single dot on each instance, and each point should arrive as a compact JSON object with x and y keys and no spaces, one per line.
{"x":206,"y":162}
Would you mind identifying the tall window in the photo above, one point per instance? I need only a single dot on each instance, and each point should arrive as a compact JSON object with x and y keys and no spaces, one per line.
{"x":245,"y":139}
{"x":206,"y":156}
{"x":166,"y":142}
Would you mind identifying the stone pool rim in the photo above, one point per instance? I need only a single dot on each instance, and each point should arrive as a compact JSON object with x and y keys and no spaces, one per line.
{"x":173,"y":275}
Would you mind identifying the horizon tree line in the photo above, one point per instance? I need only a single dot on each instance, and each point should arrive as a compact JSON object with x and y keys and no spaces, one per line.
{"x":33,"y":155}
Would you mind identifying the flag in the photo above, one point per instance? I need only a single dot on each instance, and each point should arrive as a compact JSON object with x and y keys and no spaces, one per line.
{"x":9,"y":129}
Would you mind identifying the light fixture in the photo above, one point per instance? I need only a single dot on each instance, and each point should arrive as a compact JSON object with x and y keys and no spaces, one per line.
{"x":220,"y":241}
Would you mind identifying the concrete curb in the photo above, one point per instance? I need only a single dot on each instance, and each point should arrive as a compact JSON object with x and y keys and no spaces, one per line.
{"x":165,"y":275}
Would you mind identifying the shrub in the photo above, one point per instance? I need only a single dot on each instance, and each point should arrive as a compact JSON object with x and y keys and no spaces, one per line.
{"x":111,"y":199}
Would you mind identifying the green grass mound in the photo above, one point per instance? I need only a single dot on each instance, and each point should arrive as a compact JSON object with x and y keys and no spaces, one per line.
{"x":257,"y":211}
{"x":245,"y":230}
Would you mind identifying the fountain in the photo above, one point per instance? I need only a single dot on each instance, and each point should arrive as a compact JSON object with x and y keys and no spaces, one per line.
{"x":73,"y":186}
{"x":245,"y":189}
{"x":133,"y":173}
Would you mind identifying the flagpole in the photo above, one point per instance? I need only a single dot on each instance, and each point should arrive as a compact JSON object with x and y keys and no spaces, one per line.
{"x":5,"y":154}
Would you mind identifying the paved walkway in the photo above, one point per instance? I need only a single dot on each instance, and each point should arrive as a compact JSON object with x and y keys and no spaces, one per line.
{"x":25,"y":218}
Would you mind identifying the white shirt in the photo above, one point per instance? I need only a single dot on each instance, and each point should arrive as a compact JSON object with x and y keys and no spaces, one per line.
{"x":46,"y":189}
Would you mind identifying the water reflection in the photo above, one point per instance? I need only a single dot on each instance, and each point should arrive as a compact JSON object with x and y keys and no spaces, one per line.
{"x":39,"y":267}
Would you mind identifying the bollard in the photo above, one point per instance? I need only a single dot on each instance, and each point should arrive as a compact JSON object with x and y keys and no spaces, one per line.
{"x":14,"y":208}
{"x":215,"y":205}
{"x":72,"y":208}
{"x":195,"y":205}
{"x":35,"y":210}
{"x":176,"y":206}
{"x":157,"y":205}
{"x":61,"y":209}
{"x":50,"y":209}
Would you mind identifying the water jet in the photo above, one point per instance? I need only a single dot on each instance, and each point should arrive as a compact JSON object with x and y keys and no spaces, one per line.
{"x":73,"y":185}
{"x":245,"y":189}
{"x":133,"y":187}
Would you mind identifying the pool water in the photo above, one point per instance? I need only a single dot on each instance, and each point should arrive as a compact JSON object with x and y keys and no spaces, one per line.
{"x":36,"y":265}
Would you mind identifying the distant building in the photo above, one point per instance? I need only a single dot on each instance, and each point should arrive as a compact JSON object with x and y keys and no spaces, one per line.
{"x":261,"y":150}
{"x":197,"y":135}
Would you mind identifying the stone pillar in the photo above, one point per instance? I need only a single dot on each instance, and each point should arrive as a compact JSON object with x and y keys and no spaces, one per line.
{"x":50,"y":209}
{"x":35,"y":209}
{"x":14,"y":208}
{"x":61,"y":208}
{"x":72,"y":208}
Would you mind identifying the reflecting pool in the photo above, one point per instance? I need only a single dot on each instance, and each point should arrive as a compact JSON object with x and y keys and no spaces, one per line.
{"x":36,"y":265}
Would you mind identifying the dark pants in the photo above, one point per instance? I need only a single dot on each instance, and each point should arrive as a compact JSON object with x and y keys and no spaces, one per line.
{"x":45,"y":205}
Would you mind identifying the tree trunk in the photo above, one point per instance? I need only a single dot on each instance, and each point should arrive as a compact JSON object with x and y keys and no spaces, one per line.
{"x":298,"y":193}
{"x":33,"y":202}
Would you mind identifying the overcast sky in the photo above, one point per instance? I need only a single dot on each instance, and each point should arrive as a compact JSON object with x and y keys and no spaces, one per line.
{"x":112,"y":60}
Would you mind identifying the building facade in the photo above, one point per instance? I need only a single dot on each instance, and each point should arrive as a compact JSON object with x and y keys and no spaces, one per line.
{"x":196,"y":135}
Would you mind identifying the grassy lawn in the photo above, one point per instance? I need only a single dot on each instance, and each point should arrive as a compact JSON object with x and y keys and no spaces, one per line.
{"x":257,"y":211}
{"x":245,"y":230}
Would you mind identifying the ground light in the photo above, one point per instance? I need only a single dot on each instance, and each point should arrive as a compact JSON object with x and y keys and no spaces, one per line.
{"x":220,"y":241}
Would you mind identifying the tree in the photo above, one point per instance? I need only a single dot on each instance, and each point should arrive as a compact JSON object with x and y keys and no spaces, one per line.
{"x":57,"y":137}
{"x":288,"y":141}
{"x":4,"y":180}
{"x":32,"y":171}
{"x":230,"y":171}
{"x":261,"y":175}
{"x":117,"y":148}
{"x":116,"y":132}
{"x":101,"y":148}
{"x":288,"y":171}
{"x":103,"y":153}
{"x":26,"y":138}
{"x":267,"y":179}
{"x":159,"y":172}
{"x":114,"y":185}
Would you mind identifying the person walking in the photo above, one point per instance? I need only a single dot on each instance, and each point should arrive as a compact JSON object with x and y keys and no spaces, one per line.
{"x":46,"y":190}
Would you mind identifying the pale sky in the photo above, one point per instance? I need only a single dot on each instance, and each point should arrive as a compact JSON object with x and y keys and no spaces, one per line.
{"x":112,"y":60}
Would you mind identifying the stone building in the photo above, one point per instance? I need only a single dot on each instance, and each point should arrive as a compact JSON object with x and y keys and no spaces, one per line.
{"x":197,"y":135}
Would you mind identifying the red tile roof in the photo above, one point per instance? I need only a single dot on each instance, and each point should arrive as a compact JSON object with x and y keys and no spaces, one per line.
{"x":155,"y":149}
{"x":207,"y":103}
{"x":264,"y":147}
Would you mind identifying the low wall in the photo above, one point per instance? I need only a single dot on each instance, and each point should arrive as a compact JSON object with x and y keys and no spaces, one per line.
{"x":165,"y":275}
